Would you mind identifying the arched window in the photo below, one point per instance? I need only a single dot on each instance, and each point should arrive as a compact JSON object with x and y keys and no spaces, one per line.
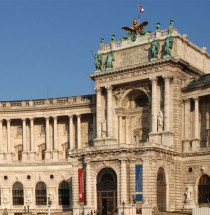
{"x":204,"y":189}
{"x":41,"y":193}
{"x":17,"y":192}
{"x":141,"y":101}
{"x":64,"y":193}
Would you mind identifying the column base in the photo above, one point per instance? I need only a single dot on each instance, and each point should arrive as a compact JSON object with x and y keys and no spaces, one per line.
{"x":88,"y":209}
{"x":98,"y":142}
{"x":186,"y":145}
{"x":25,"y":157}
{"x":2,"y":157}
{"x":195,"y":144}
{"x":47,"y":155}
{"x":146,"y":209}
{"x":55,"y":155}
{"x":110,"y":141}
{"x":8,"y":156}
{"x":32,"y":156}
{"x":76,"y":211}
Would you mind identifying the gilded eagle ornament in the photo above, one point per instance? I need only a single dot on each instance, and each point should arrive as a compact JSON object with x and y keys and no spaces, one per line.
{"x":135,"y":29}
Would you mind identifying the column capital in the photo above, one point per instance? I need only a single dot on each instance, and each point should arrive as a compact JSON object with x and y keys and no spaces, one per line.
{"x":186,"y":100}
{"x":31,"y":118}
{"x":23,"y":119}
{"x":55,"y":117}
{"x":47,"y":118}
{"x":153,"y":79}
{"x":167,"y":77}
{"x":8,"y":120}
{"x":109,"y":88}
{"x":98,"y":89}
{"x":196,"y":98}
{"x":78,"y":115}
{"x":71,"y":116}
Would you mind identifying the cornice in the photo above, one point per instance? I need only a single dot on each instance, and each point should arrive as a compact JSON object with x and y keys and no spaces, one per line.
{"x":143,"y":68}
{"x":45,"y":109}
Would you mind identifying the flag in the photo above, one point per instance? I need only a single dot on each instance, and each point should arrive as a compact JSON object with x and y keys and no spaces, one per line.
{"x":141,"y":9}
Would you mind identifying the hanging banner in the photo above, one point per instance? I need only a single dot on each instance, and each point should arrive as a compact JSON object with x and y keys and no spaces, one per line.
{"x":138,"y":182}
{"x":81,"y":185}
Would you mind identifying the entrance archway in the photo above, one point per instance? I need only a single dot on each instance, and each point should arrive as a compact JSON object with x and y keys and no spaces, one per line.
{"x":106,"y":192}
{"x":161,"y":190}
{"x":204,"y":189}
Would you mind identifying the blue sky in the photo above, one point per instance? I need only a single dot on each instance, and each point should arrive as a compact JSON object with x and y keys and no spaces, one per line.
{"x":45,"y":45}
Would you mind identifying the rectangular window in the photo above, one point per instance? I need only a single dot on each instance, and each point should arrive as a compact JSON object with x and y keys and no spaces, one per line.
{"x":43,"y":129}
{"x":43,"y":154}
{"x":19,"y":155}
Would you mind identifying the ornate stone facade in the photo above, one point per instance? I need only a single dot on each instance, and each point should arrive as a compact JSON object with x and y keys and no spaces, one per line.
{"x":153,"y":114}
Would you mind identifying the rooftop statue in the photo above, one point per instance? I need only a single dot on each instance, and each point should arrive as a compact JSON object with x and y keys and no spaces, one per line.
{"x":135,"y":29}
{"x":98,"y":61}
{"x":168,"y":46}
{"x":110,"y":57}
{"x":155,"y":48}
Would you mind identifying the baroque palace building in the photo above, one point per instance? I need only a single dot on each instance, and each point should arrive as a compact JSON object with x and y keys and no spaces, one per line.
{"x":141,"y":143}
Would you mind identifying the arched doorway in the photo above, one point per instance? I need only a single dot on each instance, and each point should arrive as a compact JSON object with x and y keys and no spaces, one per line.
{"x":204,"y":189}
{"x":106,"y":191}
{"x":161,"y":190}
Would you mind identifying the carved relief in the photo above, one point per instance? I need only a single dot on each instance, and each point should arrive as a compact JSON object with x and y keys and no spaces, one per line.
{"x":140,"y":134}
{"x":6,"y":196}
{"x":29,"y":196}
{"x":52,"y":196}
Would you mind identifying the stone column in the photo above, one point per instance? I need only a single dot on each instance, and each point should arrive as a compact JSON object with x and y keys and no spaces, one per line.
{"x":9,"y":150}
{"x":109,"y":111}
{"x":8,"y":136}
{"x":32,"y":148}
{"x":196,"y":138}
{"x":1,"y":137}
{"x":55,"y":138}
{"x":98,"y":112}
{"x":75,"y":190}
{"x":186,"y":141}
{"x":154,"y":104}
{"x":120,"y":129}
{"x":123,"y":182}
{"x":24,"y":155}
{"x":71,"y":140}
{"x":186,"y":118}
{"x":88,"y":185}
{"x":126,"y":130}
{"x":94,"y":125}
{"x":167,"y":104}
{"x":47,"y":137}
{"x":79,"y":131}
{"x":196,"y":123}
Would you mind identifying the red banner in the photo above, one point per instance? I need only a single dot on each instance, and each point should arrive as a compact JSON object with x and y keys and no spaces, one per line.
{"x":81,"y":185}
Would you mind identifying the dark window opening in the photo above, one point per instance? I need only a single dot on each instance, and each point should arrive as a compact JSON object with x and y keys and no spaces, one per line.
{"x":41,"y":194}
{"x":64,"y":193}
{"x":17,"y":192}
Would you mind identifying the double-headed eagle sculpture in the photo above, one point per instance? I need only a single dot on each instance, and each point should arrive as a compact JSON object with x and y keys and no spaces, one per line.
{"x":135,"y":29}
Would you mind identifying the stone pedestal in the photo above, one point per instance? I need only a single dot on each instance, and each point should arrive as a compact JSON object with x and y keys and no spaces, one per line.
{"x":146,"y":209}
{"x":186,"y":145}
{"x":167,"y":139}
{"x":99,"y":142}
{"x":32,"y":156}
{"x":47,"y":155}
{"x":195,"y":144}
{"x":55,"y":155}
{"x":76,"y":210}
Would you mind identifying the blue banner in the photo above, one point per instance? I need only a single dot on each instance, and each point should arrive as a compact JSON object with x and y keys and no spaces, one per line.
{"x":138,"y":178}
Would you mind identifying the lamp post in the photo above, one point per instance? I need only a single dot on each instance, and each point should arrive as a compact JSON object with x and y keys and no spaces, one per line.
{"x":123,"y":204}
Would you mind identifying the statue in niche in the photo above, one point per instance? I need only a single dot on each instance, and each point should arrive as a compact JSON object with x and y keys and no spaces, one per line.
{"x":160,"y":121}
{"x":110,"y":57}
{"x":188,"y":194}
{"x":137,"y":133}
{"x":52,"y":196}
{"x":98,"y":61}
{"x":169,"y":41}
{"x":103,"y":129}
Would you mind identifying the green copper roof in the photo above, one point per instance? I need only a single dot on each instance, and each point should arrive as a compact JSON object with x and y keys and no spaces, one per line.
{"x":202,"y":80}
